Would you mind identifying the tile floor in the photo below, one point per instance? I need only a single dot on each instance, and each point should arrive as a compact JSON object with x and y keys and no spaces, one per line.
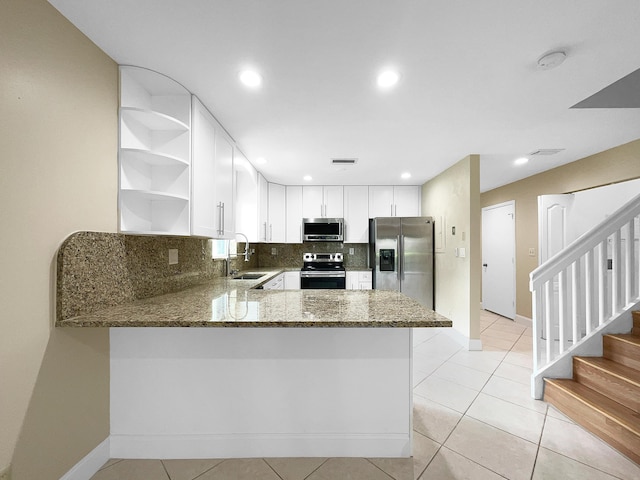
{"x":474,"y":418}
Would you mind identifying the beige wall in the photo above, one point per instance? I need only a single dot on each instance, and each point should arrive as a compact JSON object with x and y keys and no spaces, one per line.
{"x":58,"y":147}
{"x":454,"y":198}
{"x":611,"y":166}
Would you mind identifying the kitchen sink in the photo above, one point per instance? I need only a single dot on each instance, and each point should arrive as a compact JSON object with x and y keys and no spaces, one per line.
{"x":249,"y":276}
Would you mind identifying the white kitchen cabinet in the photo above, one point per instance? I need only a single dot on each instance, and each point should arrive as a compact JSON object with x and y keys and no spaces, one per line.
{"x":358,"y":280}
{"x":263,"y":208}
{"x":246,"y":201}
{"x":394,"y":201}
{"x":276,"y":283}
{"x":294,"y":214}
{"x":277,"y":213}
{"x":322,"y":201}
{"x":356,"y":214}
{"x":212,"y":205}
{"x":154,"y":153}
{"x":292,"y":280}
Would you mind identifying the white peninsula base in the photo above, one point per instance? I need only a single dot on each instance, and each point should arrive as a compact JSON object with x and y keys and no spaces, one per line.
{"x":260,"y":392}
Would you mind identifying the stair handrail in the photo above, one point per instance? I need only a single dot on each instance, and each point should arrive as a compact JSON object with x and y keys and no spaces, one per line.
{"x":575,"y":288}
{"x":587,"y":241}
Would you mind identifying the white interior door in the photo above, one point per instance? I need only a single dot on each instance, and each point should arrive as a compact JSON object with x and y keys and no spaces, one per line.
{"x":553,"y":223}
{"x":498,"y":259}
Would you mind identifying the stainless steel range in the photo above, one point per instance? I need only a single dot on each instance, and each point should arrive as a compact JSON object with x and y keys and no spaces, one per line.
{"x":323,"y":270}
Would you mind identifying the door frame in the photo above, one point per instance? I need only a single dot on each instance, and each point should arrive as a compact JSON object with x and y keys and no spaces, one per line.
{"x":513,"y":239}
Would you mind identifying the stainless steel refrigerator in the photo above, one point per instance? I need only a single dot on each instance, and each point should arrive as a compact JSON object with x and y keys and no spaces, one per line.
{"x":401,"y":256}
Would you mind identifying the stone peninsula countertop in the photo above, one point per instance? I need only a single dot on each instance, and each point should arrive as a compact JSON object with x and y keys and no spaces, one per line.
{"x":225,"y":302}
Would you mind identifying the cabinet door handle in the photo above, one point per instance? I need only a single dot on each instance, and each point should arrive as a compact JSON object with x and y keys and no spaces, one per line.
{"x":391,"y":209}
{"x":265,"y":231}
{"x":220,"y":217}
{"x":222,"y":222}
{"x":395,"y":210}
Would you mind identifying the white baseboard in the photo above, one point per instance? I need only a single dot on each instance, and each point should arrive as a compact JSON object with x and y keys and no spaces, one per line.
{"x":526,"y":321}
{"x":90,"y":464}
{"x":258,"y":446}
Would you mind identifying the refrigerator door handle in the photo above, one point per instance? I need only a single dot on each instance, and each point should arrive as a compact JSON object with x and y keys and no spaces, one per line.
{"x":399,"y":257}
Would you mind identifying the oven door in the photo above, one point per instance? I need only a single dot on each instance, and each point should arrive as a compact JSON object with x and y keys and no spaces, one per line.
{"x":322,"y":280}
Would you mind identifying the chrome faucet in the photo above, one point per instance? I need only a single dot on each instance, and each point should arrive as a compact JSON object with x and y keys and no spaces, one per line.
{"x":246,"y":253}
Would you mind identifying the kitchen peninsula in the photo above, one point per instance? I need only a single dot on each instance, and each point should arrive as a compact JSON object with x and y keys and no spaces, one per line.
{"x":300,"y":388}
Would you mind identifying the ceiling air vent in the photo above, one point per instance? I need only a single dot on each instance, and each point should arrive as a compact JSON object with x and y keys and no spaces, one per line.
{"x":343,"y":161}
{"x":546,"y":152}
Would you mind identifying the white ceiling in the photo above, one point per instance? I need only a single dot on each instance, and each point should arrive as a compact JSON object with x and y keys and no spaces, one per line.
{"x":469,"y":80}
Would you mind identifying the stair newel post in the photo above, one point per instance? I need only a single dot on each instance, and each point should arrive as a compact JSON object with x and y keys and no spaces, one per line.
{"x":537,"y":326}
{"x":630,"y":262}
{"x":562,"y":310}
{"x":588,"y":287}
{"x":547,"y":318}
{"x":576,"y":293}
{"x":616,"y":273}
{"x":602,"y":282}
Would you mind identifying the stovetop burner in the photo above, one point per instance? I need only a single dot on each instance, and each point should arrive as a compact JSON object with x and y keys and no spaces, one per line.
{"x":323,"y":262}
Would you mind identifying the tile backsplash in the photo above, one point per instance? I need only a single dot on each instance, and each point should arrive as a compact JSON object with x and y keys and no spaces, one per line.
{"x":290,"y":254}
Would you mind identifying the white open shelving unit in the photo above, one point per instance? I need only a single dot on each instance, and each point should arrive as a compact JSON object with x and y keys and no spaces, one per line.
{"x":154,"y":153}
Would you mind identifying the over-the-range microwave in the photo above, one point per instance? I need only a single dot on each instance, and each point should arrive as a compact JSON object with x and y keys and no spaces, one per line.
{"x":323,"y":229}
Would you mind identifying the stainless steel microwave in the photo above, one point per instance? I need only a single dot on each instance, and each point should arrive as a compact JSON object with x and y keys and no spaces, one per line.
{"x":323,"y":229}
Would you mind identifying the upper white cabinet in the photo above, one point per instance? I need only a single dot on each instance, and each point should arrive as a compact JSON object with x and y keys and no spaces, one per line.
{"x":294,"y":214}
{"x":356,"y":213}
{"x":154,"y":153}
{"x":246,"y":201}
{"x":394,"y":201}
{"x":263,"y":208}
{"x":212,"y":205}
{"x":277,"y":213}
{"x":322,"y":201}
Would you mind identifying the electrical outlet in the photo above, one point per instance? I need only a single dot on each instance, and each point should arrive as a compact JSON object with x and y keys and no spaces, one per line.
{"x":274,"y":251}
{"x":532,"y":252}
{"x":351,"y":250}
{"x":173,"y":256}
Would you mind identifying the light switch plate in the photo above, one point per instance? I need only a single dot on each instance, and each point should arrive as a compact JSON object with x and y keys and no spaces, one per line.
{"x":173,"y":256}
{"x":532,"y":252}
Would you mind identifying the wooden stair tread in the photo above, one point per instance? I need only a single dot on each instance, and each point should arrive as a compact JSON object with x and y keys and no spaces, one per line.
{"x":626,"y":337}
{"x":604,"y":405}
{"x":616,"y":369}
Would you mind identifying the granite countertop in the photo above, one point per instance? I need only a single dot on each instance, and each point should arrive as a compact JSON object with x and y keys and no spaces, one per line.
{"x":224,"y":302}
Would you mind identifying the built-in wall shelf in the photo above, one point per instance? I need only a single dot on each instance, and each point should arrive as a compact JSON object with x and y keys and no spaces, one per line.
{"x":154,"y":154}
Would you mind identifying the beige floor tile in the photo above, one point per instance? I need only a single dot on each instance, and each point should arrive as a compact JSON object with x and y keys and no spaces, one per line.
{"x":446,"y":393}
{"x":421,"y":335}
{"x":465,"y":376}
{"x":495,"y":342}
{"x":433,"y":420}
{"x":188,"y":469}
{"x":514,"y":372}
{"x":241,"y":469}
{"x":514,"y":392}
{"x":439,"y":347}
{"x":501,"y":452}
{"x":448,"y":465}
{"x":552,"y":466}
{"x":485,"y":361}
{"x":574,"y":442}
{"x":498,"y":332}
{"x":524,"y":345}
{"x":528,"y":332}
{"x":520,"y":359}
{"x":555,"y":413}
{"x":348,"y":468}
{"x":507,"y":416}
{"x":295,"y":468}
{"x":133,"y":470}
{"x":111,"y":462}
{"x":423,"y":451}
{"x":396,"y":468}
{"x":426,"y":364}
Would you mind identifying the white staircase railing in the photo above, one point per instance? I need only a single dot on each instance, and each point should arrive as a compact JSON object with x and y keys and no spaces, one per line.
{"x":586,"y":285}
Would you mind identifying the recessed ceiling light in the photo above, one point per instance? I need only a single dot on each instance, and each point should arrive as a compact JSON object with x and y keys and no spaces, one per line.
{"x":261,"y":160}
{"x":250,"y":78}
{"x":405,"y":175}
{"x":520,"y":161}
{"x":307,"y":178}
{"x":388,"y":79}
